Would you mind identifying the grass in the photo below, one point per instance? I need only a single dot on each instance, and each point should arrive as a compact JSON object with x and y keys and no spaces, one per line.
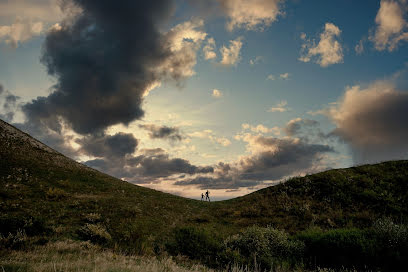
{"x":52,"y":198}
{"x":74,"y":256}
{"x":83,"y":256}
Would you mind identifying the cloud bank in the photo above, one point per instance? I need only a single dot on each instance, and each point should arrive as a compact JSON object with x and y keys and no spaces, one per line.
{"x":373,"y":121}
{"x":271,"y":159}
{"x":104,"y":67}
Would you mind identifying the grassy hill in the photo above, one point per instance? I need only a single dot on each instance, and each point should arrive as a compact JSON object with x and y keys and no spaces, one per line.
{"x":51,"y":198}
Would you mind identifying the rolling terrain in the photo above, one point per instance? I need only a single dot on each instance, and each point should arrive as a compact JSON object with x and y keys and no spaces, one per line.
{"x":53,"y":198}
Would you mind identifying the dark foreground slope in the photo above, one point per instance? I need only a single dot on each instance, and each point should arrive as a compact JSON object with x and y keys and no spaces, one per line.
{"x":51,"y":197}
{"x":44,"y":191}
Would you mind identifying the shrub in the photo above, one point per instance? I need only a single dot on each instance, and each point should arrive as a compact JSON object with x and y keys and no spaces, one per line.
{"x":96,"y":233}
{"x":338,"y":248}
{"x":55,"y":194}
{"x":265,"y":247}
{"x":32,"y":226}
{"x":197,"y":244}
{"x":383,"y":246}
{"x":18,"y":240}
{"x":392,"y":244}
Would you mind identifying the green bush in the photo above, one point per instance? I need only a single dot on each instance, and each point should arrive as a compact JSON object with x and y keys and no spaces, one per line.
{"x":337,"y":248}
{"x":198,"y":244}
{"x":384,"y":246}
{"x":96,"y":233}
{"x":392,"y":244}
{"x":265,"y":247}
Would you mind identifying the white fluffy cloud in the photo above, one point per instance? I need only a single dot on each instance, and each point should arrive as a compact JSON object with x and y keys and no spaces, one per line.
{"x":391,"y":26}
{"x":209,"y":49}
{"x":19,"y":32}
{"x":184,"y":40}
{"x":44,"y":10}
{"x":232,"y":54}
{"x":251,"y":14}
{"x":373,"y":121}
{"x":327,"y":51}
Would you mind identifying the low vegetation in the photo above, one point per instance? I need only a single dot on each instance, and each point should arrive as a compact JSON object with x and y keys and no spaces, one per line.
{"x":352,"y":218}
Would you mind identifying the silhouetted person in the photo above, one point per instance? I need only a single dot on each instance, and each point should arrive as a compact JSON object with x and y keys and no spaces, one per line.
{"x":202,"y":196}
{"x":207,"y":196}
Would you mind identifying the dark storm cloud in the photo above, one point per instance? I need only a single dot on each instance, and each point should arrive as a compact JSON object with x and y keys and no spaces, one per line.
{"x":11,"y":101}
{"x":163,"y":132}
{"x":162,"y":166}
{"x":203,"y":182}
{"x":373,"y":121}
{"x":103,"y":61}
{"x":118,"y":145}
{"x":146,"y":168}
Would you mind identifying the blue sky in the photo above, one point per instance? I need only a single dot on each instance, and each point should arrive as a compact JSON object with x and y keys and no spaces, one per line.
{"x":294,"y":96}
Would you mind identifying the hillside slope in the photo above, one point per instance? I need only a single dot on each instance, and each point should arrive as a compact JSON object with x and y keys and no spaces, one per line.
{"x":51,"y":195}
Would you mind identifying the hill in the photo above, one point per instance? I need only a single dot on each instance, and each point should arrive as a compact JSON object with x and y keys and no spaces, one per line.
{"x":52,"y":197}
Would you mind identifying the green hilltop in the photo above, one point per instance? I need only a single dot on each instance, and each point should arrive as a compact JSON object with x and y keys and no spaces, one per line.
{"x":51,"y":198}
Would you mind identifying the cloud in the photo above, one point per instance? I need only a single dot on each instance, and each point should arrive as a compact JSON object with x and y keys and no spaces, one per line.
{"x":271,"y":77}
{"x":9,"y":102}
{"x":209,"y":49}
{"x":183,"y":40}
{"x":259,"y":129}
{"x":328,"y":51}
{"x":19,"y":32}
{"x":231,"y":55}
{"x":147,"y":168}
{"x":284,"y":76}
{"x":294,"y":126}
{"x":118,"y":145}
{"x":391,"y":26}
{"x":280,"y":107}
{"x":216,"y":93}
{"x":44,"y":10}
{"x":209,"y":134}
{"x":251,"y":14}
{"x":359,"y":48}
{"x":373,"y":121}
{"x":256,"y":60}
{"x":107,"y":58}
{"x":60,"y":141}
{"x":272,"y":159}
{"x":163,"y":132}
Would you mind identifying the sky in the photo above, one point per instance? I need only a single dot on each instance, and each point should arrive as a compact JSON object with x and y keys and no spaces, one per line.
{"x":229,"y":96}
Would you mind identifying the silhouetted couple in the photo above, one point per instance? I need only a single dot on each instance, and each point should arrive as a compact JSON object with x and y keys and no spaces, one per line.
{"x":207,"y":196}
